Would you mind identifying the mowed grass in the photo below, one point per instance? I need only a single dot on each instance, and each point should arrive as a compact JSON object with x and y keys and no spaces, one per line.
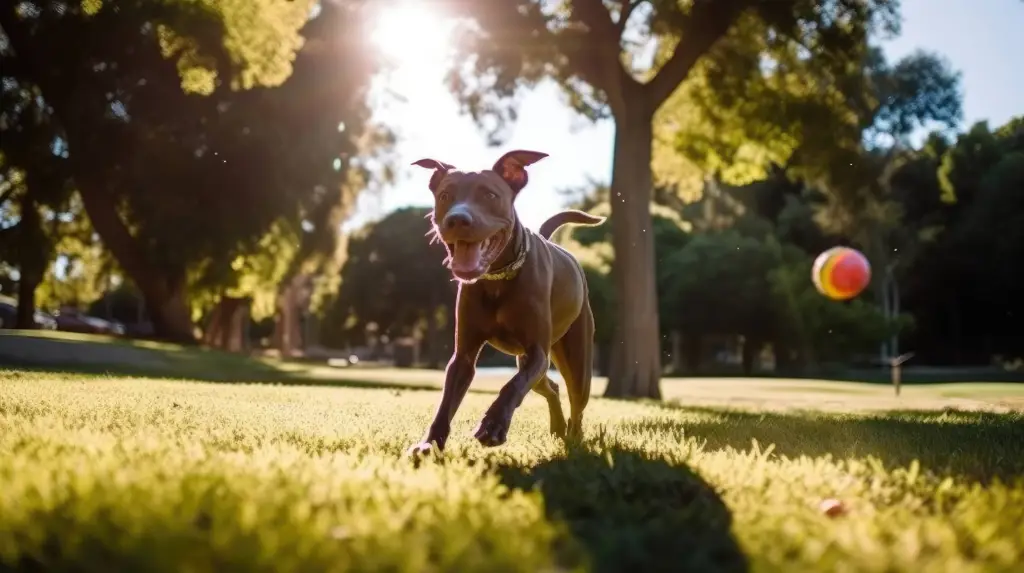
{"x":133,"y":474}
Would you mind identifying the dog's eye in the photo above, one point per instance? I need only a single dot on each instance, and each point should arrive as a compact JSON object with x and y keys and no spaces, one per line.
{"x":443,"y":197}
{"x":492,"y":195}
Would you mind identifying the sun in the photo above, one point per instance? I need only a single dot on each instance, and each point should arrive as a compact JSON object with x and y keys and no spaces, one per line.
{"x":414,"y":38}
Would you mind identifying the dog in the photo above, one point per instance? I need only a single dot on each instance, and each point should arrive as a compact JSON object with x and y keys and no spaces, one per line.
{"x":518,"y":292}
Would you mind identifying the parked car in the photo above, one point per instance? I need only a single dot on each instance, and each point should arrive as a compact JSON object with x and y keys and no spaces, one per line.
{"x":9,"y":315}
{"x":72,"y":320}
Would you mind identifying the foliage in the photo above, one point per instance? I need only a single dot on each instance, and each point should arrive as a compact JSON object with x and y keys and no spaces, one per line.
{"x":961,"y":288}
{"x":820,"y":330}
{"x":716,"y":284}
{"x":190,"y":115}
{"x":290,"y":478}
{"x":748,"y":105}
{"x":35,"y":190}
{"x":964,"y":164}
{"x":82,"y":270}
{"x":393,"y":277}
{"x":256,"y":274}
{"x":572,"y":39}
{"x":737,"y":263}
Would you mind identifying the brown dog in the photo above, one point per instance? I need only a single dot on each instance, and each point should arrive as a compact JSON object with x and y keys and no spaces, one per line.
{"x":520,"y":293}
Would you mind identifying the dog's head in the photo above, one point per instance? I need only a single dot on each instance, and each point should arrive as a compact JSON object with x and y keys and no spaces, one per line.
{"x":474,"y":215}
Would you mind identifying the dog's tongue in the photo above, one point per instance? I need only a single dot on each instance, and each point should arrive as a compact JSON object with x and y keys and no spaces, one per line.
{"x":466,"y":257}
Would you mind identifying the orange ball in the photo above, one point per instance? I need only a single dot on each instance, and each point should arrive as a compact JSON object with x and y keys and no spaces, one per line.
{"x":841,"y":273}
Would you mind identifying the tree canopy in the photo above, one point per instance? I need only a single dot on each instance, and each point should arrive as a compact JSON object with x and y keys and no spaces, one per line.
{"x":394,"y":279}
{"x":201,"y":134}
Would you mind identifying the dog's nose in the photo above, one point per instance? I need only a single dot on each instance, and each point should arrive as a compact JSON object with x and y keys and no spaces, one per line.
{"x":457,"y":219}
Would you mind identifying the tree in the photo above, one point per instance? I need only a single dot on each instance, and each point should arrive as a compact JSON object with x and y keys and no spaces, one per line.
{"x":36,"y":185}
{"x":173,"y":119}
{"x":813,"y":330}
{"x":394,"y":278}
{"x":963,"y":288}
{"x":593,"y":49}
{"x":592,"y":246}
{"x":81,"y":270}
{"x":718,"y":285}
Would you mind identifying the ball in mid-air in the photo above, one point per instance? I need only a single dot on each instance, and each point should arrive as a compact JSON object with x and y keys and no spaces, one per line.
{"x":841,"y":273}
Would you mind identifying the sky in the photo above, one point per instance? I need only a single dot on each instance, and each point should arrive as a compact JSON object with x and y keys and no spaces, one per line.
{"x":983,"y":39}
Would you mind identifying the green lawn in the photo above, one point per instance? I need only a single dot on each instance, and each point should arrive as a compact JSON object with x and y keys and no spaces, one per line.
{"x":129,"y":474}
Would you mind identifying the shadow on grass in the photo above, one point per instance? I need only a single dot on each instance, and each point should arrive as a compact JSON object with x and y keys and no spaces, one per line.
{"x":98,"y":356}
{"x":969,"y":444}
{"x":629,"y":512}
{"x":271,"y":376}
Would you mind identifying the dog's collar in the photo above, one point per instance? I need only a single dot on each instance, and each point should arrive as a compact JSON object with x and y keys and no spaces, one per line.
{"x":510,"y":270}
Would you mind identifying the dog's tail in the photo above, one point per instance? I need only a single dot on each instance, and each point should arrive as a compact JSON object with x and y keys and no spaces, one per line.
{"x":573,"y":217}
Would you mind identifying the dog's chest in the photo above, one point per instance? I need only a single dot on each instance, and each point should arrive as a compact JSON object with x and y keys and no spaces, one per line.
{"x":502,"y":321}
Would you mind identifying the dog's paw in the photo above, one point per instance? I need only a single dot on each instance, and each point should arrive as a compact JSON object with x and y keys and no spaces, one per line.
{"x":423,"y":450}
{"x":492,"y":430}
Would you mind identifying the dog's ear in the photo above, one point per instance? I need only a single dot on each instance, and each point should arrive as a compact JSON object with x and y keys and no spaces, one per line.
{"x":440,"y":170}
{"x":512,"y":167}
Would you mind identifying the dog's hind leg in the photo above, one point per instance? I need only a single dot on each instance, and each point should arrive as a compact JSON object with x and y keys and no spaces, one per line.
{"x":573,"y":357}
{"x":549,"y":389}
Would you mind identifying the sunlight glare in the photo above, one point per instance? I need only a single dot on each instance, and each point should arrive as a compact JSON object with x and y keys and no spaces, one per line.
{"x":415,"y":40}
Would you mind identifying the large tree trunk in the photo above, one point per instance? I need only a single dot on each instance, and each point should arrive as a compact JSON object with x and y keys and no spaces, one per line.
{"x":31,"y":263}
{"x":163,"y":290}
{"x":636,"y":346}
{"x":226,"y":329}
{"x":28,"y":282}
{"x":292,"y":301}
{"x":167,"y":303}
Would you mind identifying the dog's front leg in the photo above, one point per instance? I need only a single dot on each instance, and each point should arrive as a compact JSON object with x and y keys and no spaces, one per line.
{"x":493,"y":428}
{"x":457,"y":378}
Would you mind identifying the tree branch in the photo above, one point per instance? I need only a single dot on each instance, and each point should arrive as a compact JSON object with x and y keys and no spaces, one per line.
{"x":600,"y":60}
{"x":595,"y":16}
{"x":706,"y":23}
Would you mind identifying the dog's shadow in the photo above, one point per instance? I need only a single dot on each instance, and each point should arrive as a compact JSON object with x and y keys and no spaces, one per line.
{"x":627,"y":511}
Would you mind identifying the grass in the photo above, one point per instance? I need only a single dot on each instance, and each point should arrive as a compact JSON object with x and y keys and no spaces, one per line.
{"x":112,"y":473}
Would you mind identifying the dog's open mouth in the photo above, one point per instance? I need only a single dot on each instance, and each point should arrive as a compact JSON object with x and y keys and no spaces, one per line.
{"x":471,"y":259}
